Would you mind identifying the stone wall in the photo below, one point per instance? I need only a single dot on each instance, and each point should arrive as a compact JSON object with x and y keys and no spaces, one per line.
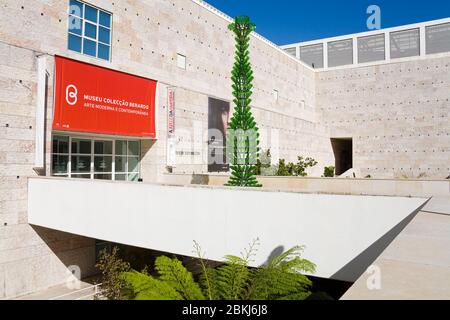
{"x":30,"y":258}
{"x":398,"y":115}
{"x":147,"y":35}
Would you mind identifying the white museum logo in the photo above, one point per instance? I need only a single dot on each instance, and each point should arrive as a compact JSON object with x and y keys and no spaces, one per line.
{"x":71,"y":95}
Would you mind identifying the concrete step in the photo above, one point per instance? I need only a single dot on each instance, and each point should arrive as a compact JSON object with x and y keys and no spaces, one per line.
{"x":85,"y":291}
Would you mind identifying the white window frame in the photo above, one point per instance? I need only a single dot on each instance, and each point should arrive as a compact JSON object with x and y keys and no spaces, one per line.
{"x":92,"y":155}
{"x":181,"y":61}
{"x":275,"y":95}
{"x":83,"y":36}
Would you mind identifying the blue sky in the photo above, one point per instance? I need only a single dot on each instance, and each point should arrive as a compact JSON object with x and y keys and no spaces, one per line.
{"x":290,"y":21}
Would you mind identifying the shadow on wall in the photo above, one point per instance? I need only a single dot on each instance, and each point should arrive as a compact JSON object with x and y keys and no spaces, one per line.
{"x":200,"y":179}
{"x":73,"y":251}
{"x":275,"y":253}
{"x":355,"y":268}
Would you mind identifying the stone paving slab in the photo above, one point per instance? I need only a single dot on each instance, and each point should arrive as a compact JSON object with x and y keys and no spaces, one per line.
{"x":416,"y":265}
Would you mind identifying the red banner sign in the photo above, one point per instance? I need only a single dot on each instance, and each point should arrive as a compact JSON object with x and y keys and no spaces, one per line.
{"x":98,"y":100}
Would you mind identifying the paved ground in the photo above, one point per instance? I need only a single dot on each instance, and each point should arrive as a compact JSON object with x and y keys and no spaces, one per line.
{"x":62,"y":292}
{"x":416,"y":265}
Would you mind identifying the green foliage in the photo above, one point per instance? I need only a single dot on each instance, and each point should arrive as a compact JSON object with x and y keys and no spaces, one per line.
{"x":328,"y":172}
{"x":263,"y":165}
{"x":295,"y":169}
{"x":280,"y":278}
{"x":140,"y":286}
{"x":175,"y":282}
{"x":111,"y":267}
{"x":242,"y":134}
{"x":233,"y":278}
{"x":283,"y":169}
{"x":175,"y":275}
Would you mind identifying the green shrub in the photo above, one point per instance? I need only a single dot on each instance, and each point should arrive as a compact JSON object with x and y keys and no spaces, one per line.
{"x":112,"y":267}
{"x":264,"y":164}
{"x":295,"y":169}
{"x":283,"y":169}
{"x":328,"y":172}
{"x":280,"y":278}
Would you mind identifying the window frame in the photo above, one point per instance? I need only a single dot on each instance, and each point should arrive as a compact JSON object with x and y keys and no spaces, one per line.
{"x":83,"y":35}
{"x":92,"y":173}
{"x":399,"y":53}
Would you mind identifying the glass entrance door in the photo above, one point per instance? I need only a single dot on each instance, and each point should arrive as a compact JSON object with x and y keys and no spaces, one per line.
{"x":95,"y":158}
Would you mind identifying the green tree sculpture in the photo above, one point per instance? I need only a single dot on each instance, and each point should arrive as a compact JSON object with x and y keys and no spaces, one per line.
{"x":242,"y":134}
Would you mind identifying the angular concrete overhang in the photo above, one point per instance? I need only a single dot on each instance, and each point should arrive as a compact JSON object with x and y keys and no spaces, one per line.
{"x":343,"y":235}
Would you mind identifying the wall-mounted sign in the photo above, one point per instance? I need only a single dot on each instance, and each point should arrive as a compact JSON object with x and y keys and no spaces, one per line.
{"x":171,"y":139}
{"x":92,"y":99}
{"x":171,"y":152}
{"x":171,"y":112}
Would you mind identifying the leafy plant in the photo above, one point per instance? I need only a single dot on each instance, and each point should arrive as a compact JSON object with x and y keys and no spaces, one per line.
{"x":295,"y":169}
{"x":283,"y":169}
{"x":264,"y":164}
{"x":280,"y":278}
{"x":112,"y":267}
{"x":328,"y":172}
{"x":242,"y":134}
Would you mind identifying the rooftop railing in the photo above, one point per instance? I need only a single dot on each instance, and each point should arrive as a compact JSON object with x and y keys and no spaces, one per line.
{"x":375,"y":47}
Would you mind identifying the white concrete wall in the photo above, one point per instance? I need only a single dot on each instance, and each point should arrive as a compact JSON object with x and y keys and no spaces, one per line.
{"x":335,"y":229}
{"x":346,"y":186}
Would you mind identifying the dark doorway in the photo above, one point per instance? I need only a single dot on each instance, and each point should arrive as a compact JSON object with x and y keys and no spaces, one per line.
{"x":218,"y":117}
{"x":343,"y":153}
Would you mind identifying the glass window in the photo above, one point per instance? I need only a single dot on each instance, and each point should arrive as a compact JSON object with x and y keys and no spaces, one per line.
{"x":340,"y":53}
{"x":74,"y":43}
{"x":133,"y":148}
{"x":121,"y":147}
{"x":181,"y":61}
{"x":127,"y":163}
{"x":104,"y":35}
{"x":89,"y":30}
{"x":75,"y":26}
{"x":103,"y":176}
{"x":133,"y":164}
{"x":76,"y":8}
{"x":93,"y":158}
{"x":103,"y":51}
{"x":121,"y":177}
{"x":81,"y":146}
{"x":121,"y":164}
{"x":103,"y":147}
{"x":291,"y":51}
{"x":60,"y":144}
{"x":81,"y":164}
{"x":405,"y":43}
{"x":133,"y":177}
{"x":312,"y":55}
{"x":371,"y":48}
{"x":105,"y":19}
{"x":91,"y":14}
{"x":81,"y":176}
{"x":89,"y":47}
{"x":60,"y":165}
{"x":103,"y":164}
{"x":438,"y":38}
